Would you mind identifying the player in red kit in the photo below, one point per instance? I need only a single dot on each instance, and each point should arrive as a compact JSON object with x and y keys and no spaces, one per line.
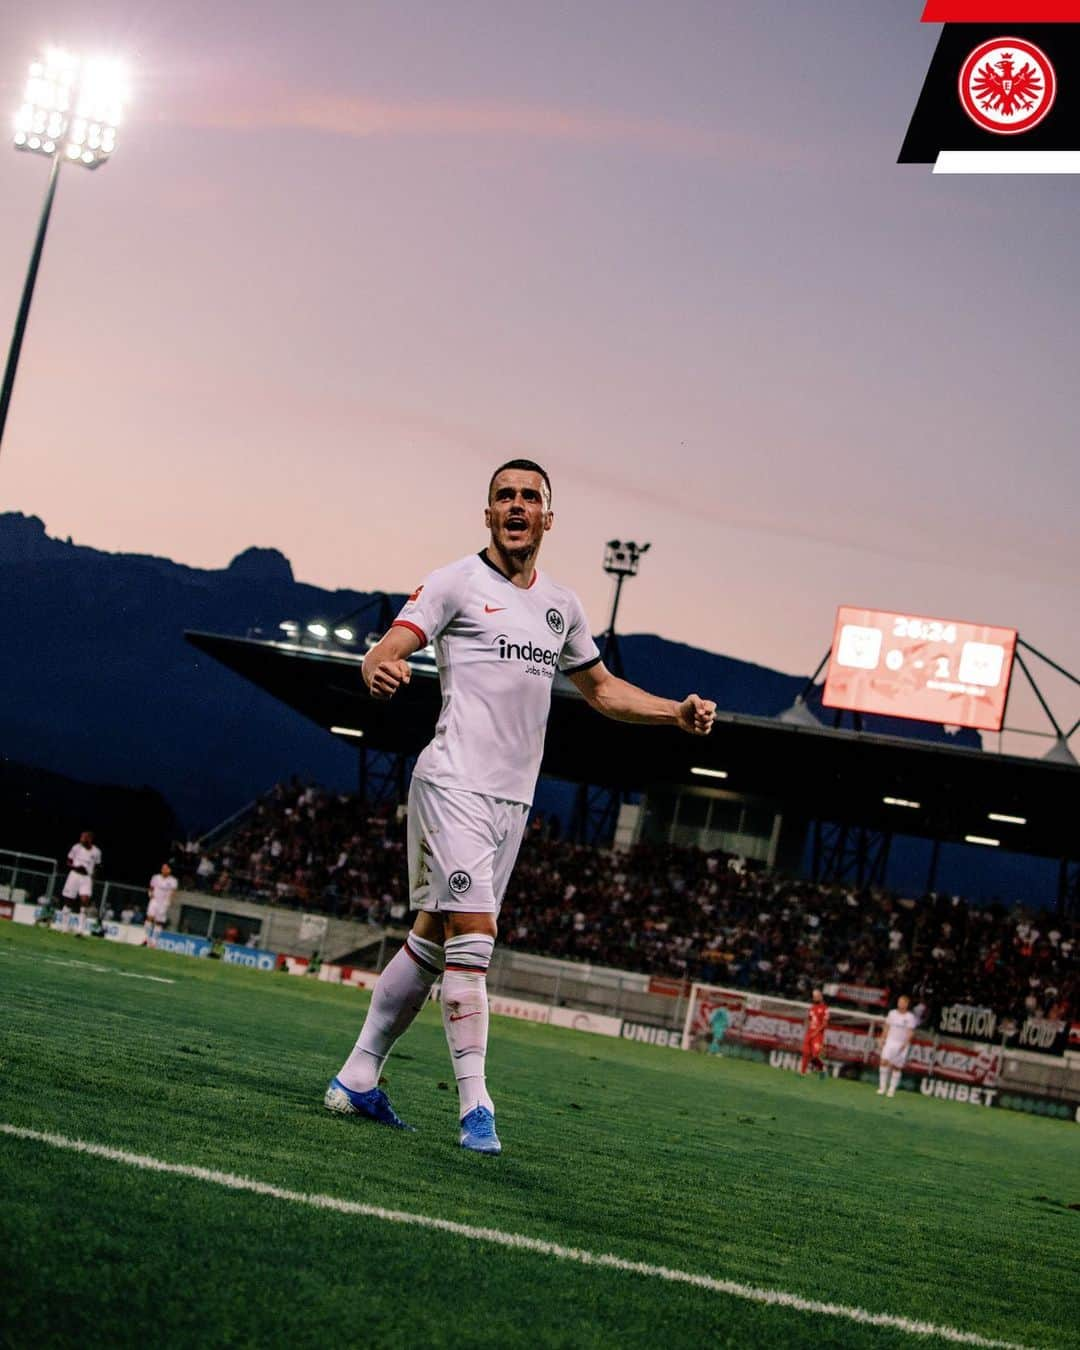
{"x":814,"y":1039}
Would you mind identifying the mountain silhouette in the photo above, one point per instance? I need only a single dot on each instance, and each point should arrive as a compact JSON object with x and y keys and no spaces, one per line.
{"x":99,"y":684}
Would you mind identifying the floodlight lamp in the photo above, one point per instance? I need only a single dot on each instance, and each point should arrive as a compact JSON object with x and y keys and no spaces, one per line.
{"x":622,"y":558}
{"x":72,"y":107}
{"x":344,"y":634}
{"x":318,"y":630}
{"x":290,"y":626}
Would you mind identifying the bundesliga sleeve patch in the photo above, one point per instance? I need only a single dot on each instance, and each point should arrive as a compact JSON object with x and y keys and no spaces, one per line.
{"x":1002,"y":94}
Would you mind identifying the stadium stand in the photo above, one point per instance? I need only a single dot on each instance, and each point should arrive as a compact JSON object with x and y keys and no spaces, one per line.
{"x":667,"y":911}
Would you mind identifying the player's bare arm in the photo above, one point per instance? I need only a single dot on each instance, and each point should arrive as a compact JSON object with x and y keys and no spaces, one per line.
{"x":386,"y":666}
{"x":626,"y":702}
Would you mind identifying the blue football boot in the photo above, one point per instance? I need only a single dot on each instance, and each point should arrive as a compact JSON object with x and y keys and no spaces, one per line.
{"x":374,"y":1105}
{"x":478,"y":1131}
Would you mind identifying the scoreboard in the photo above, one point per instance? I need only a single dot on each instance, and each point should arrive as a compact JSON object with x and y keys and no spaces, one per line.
{"x":933,"y":670}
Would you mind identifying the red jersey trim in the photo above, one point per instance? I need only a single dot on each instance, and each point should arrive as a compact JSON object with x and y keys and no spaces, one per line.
{"x":404,"y":623}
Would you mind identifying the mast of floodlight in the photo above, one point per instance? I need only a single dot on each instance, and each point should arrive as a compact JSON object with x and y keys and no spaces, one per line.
{"x":69,"y":114}
{"x":621,"y":560}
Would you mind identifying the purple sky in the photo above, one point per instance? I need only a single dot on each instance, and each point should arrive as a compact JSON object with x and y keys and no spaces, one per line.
{"x":347,"y":258}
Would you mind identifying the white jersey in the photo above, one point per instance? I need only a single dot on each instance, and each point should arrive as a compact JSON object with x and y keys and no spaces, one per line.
{"x":498,"y":647}
{"x":161,"y":892}
{"x":86,"y":858}
{"x":897,"y":1037}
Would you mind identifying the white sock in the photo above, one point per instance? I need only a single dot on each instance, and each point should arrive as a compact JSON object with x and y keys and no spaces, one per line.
{"x":401,"y":992}
{"x":883,"y":1077}
{"x":465,"y":1015}
{"x":895,"y":1080}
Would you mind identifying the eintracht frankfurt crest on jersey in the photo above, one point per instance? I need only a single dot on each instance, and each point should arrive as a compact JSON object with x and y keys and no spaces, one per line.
{"x":1007,"y":85}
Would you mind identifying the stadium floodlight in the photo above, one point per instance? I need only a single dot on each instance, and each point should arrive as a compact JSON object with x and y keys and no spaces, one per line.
{"x":318,"y":630}
{"x":1006,"y":820}
{"x":709,"y":773}
{"x":347,"y":731}
{"x":344,"y":634}
{"x":70,"y":112}
{"x":72,"y":108}
{"x":902,"y":801}
{"x":982,"y":839}
{"x":290,"y":626}
{"x":620,"y":561}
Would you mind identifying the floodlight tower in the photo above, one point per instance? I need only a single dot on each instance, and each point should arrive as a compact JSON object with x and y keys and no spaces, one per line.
{"x":69,"y":114}
{"x":620,"y":561}
{"x":596,"y":809}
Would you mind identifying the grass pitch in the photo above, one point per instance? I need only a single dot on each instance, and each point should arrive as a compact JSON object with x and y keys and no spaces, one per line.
{"x":925,"y":1209}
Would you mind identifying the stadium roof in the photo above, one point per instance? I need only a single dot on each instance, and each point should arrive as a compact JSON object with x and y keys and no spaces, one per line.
{"x":937,"y":792}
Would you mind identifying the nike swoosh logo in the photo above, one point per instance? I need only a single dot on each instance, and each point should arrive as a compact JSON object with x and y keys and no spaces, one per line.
{"x":494,"y":609}
{"x":462,"y":1016}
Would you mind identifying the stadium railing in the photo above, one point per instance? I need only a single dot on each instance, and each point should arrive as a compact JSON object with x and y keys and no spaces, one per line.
{"x":118,"y":896}
{"x":26,"y":876}
{"x":220,"y":832}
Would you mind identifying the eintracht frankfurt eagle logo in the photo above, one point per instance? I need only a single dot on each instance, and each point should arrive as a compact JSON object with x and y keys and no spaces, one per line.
{"x":1007,"y":85}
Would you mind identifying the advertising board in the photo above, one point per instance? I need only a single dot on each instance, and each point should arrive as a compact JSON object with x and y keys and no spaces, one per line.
{"x":253,"y":957}
{"x":183,"y":944}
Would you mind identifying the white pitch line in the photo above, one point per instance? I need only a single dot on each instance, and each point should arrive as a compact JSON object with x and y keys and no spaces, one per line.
{"x":107,"y":970}
{"x":90,"y":965}
{"x":518,"y":1241}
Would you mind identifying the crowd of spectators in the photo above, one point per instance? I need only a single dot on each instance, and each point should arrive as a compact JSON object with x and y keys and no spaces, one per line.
{"x":667,"y":911}
{"x":307,"y":848}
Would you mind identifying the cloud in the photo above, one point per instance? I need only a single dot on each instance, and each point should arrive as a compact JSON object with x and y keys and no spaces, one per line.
{"x":269,"y":109}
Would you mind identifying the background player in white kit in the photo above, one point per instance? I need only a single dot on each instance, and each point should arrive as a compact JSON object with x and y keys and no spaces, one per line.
{"x":894,"y":1044}
{"x":160,"y":890}
{"x":84,"y":858}
{"x":501,"y":629}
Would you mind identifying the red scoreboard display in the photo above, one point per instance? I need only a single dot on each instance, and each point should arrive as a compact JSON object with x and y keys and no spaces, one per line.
{"x":933,"y":670}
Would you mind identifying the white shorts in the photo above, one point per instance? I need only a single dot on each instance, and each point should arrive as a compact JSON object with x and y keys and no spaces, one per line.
{"x":158,"y":916}
{"x":78,"y":887}
{"x":896,"y":1055}
{"x":462,"y":848}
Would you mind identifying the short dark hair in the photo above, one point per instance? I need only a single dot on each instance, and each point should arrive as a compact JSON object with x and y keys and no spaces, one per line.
{"x":530,"y":466}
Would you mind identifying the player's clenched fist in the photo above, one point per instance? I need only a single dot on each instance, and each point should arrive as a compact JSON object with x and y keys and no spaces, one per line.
{"x":387,"y":677}
{"x":696,"y":715}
